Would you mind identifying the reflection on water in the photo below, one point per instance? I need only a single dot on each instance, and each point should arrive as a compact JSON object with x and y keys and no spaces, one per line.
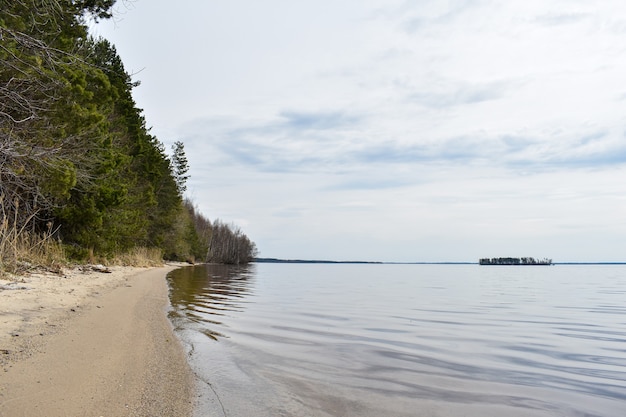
{"x":202,"y":295}
{"x":404,"y":340}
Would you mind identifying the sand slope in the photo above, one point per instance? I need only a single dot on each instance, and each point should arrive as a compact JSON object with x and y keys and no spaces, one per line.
{"x":114,"y":354}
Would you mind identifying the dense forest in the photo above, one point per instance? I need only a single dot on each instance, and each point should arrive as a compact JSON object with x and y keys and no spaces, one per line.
{"x":81,"y":177}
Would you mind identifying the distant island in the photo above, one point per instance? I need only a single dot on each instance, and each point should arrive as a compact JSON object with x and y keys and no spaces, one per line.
{"x":515,"y":261}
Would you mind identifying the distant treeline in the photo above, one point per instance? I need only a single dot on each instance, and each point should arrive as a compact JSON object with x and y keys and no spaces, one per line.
{"x":78,"y":163}
{"x":514,"y":261}
{"x":306,"y":261}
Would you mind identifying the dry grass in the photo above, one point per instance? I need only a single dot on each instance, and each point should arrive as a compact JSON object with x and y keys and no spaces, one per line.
{"x":22,"y":251}
{"x":141,"y":257}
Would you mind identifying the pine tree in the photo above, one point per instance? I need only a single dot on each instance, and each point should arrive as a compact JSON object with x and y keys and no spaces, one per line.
{"x":180,"y":166}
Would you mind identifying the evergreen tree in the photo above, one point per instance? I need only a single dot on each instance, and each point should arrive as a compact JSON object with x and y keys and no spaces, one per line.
{"x":49,"y":120}
{"x":180,"y":166}
{"x":75,"y":150}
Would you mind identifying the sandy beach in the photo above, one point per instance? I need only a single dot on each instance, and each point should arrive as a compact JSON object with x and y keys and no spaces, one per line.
{"x":88,"y":343}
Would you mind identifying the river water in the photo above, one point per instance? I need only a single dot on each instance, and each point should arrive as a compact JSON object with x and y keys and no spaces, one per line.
{"x":404,"y":340}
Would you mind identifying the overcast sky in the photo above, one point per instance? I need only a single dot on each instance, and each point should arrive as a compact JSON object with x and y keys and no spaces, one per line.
{"x":390,"y":130}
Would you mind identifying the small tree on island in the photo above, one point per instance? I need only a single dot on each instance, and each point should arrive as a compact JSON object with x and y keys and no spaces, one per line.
{"x":514,"y":261}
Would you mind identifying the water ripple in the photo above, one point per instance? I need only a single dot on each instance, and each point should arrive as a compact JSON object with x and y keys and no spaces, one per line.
{"x":370,"y":340}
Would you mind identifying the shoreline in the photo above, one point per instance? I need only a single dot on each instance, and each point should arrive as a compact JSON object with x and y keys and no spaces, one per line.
{"x":91,"y":344}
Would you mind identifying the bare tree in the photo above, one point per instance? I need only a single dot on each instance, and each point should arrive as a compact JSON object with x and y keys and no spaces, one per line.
{"x":39,"y":151}
{"x":230,"y":245}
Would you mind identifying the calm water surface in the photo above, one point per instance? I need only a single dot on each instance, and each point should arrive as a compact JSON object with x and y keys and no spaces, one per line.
{"x":404,"y":340}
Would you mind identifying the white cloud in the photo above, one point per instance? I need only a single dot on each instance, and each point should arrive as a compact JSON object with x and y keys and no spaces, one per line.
{"x":407,"y":130}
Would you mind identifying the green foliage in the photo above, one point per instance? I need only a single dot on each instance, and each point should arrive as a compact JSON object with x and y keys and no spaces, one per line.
{"x":75,"y":151}
{"x":188,"y":239}
{"x":61,"y":178}
{"x":180,"y":166}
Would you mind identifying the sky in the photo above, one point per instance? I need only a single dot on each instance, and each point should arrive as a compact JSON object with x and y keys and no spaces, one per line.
{"x":396,"y":131}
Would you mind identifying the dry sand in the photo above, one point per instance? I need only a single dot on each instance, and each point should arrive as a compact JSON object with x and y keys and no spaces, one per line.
{"x":91,"y":344}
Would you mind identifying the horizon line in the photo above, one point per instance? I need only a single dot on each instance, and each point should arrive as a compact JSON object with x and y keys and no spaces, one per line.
{"x":323,"y":261}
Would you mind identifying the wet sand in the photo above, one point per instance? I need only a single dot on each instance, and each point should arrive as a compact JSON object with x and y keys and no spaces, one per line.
{"x":91,"y":345}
